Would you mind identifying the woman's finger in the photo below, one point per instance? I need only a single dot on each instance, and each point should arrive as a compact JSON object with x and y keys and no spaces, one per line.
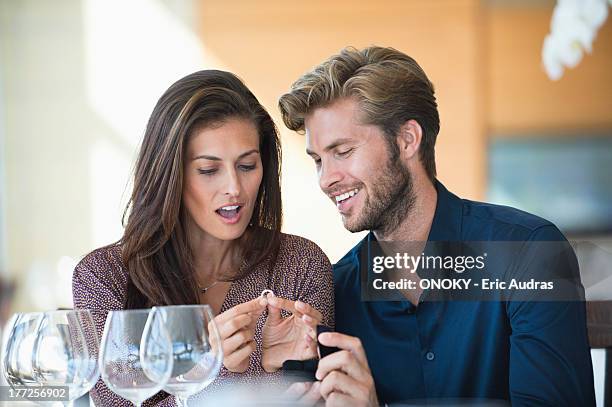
{"x":254,"y":306}
{"x":237,"y":340}
{"x":229,"y":327}
{"x":274,"y":316}
{"x":283,"y":304}
{"x":233,"y":360}
{"x":308,"y":310}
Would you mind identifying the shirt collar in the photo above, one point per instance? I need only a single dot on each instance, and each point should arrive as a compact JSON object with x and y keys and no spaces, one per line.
{"x":448,"y":217}
{"x":446,"y":225}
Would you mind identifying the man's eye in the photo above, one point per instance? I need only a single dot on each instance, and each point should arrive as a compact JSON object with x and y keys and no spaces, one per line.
{"x":247,"y":168}
{"x":210,"y":171}
{"x":344,"y":153}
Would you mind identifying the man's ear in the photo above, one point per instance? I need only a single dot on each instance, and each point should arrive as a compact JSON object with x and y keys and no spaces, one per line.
{"x":409,"y":139}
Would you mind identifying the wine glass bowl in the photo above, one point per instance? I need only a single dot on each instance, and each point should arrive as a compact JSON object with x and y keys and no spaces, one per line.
{"x":17,"y":349}
{"x":135,"y":354}
{"x":65,"y":351}
{"x":196,"y":349}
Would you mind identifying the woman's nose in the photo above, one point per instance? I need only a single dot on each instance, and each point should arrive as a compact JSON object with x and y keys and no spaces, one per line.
{"x":232,"y":187}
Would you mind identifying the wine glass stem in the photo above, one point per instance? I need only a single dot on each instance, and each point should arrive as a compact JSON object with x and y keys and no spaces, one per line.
{"x":181,"y":401}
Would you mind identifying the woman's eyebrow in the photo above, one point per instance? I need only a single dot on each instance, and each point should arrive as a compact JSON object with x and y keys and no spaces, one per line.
{"x":213,"y":158}
{"x":248,"y":153}
{"x":207,"y":157}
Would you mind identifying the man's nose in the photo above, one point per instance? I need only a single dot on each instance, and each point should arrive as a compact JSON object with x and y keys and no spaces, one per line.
{"x":329,"y":175}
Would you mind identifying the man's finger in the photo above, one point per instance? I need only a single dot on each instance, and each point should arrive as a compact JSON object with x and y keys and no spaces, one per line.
{"x":336,"y":399}
{"x":345,"y":342}
{"x":337,"y":381}
{"x":298,"y":390}
{"x":344,"y":361}
{"x":312,"y":396}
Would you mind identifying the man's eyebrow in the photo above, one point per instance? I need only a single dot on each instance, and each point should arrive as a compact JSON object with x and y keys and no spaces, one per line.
{"x":310,"y":152}
{"x":331,"y":146}
{"x":213,"y":158}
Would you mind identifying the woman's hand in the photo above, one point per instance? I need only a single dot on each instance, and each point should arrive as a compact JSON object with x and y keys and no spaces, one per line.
{"x":291,"y":338}
{"x":237,"y":329}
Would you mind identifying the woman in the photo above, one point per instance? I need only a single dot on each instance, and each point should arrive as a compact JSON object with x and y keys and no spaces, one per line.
{"x":204,"y":227}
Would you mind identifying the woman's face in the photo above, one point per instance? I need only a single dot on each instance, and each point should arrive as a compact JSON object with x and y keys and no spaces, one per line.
{"x":223,"y":171}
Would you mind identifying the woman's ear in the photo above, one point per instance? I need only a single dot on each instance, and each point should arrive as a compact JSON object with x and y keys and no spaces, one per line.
{"x":409,"y":139}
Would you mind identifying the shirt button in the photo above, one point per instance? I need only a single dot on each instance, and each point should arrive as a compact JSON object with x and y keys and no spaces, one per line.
{"x":430,"y":356}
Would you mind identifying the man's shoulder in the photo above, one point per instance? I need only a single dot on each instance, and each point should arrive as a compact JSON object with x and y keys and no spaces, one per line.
{"x":487,"y":221}
{"x":345,"y":267}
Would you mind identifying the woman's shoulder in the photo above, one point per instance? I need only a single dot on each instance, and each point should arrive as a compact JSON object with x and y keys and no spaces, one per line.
{"x":303,"y":272}
{"x":293,"y":246}
{"x":103,"y":258}
{"x":103,"y":265}
{"x":99,"y":280}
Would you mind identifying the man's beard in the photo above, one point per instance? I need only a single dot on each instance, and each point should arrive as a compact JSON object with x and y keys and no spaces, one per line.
{"x":390,"y":200}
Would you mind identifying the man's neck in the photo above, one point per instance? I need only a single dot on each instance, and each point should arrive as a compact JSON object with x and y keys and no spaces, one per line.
{"x":416,"y":225}
{"x":412,"y":233}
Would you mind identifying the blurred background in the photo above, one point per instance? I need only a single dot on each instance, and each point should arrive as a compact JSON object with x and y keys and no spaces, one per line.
{"x":79,"y":78}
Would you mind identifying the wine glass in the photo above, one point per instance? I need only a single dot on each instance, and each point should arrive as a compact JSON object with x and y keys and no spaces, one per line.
{"x":65,"y":351}
{"x":17,"y":349}
{"x":196,"y":346}
{"x":135,"y":354}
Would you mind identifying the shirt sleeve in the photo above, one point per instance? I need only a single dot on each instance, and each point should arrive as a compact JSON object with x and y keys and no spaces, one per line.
{"x":96,"y":285}
{"x":317,"y":285}
{"x":550,"y":360}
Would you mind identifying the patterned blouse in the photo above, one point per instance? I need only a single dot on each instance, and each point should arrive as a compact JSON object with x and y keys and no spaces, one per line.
{"x":302,"y":272}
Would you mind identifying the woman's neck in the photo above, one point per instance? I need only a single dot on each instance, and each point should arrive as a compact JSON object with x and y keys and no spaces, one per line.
{"x":213,"y":258}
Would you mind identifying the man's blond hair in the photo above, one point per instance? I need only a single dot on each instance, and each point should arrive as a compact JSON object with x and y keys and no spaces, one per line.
{"x":390,"y":86}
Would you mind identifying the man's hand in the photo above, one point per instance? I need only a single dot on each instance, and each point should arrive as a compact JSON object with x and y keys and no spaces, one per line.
{"x":291,"y":338}
{"x":345,"y":376}
{"x":237,"y":329}
{"x":305,"y":393}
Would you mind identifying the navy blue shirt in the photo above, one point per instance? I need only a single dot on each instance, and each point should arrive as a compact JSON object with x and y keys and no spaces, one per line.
{"x":533,"y":353}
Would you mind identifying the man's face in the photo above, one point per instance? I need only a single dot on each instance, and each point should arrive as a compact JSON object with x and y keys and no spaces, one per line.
{"x":371,"y":187}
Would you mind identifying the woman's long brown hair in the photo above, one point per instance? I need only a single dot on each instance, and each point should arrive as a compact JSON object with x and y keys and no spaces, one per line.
{"x":155,"y":246}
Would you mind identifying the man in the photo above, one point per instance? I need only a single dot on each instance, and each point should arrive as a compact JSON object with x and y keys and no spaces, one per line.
{"x":370,"y":118}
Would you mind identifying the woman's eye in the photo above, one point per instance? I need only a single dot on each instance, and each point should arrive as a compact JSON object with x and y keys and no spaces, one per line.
{"x":210,"y":171}
{"x":245,"y":167}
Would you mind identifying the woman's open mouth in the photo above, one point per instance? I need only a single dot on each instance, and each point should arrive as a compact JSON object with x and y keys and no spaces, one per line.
{"x":230,"y":213}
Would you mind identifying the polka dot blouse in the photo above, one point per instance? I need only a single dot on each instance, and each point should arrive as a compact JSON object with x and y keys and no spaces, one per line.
{"x":302,"y":272}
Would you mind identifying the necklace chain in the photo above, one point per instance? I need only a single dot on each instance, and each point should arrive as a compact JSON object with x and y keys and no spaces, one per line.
{"x":204,"y":289}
